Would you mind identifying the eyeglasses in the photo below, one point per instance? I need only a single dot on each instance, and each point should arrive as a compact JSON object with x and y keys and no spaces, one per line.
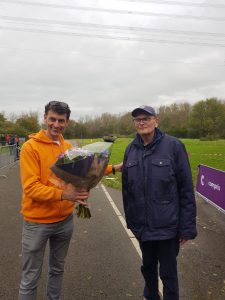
{"x":143,"y":120}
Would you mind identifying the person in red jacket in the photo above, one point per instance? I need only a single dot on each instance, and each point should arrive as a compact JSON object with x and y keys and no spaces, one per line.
{"x":7,"y":138}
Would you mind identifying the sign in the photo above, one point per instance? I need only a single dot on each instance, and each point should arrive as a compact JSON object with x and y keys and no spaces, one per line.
{"x":211,"y":186}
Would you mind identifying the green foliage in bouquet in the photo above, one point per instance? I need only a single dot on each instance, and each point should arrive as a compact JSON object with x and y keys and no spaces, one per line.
{"x":83,"y":212}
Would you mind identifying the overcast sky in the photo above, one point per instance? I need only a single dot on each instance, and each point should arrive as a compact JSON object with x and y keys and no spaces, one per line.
{"x":110,"y":56}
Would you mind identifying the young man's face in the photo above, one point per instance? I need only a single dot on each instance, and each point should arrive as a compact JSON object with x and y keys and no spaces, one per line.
{"x":55,"y":124}
{"x":145,"y":124}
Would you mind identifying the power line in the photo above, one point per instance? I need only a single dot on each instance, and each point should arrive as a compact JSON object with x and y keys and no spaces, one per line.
{"x":124,"y":38}
{"x":178,"y":3}
{"x":108,"y":27}
{"x":160,"y":2}
{"x":114,"y":58}
{"x":114,"y":11}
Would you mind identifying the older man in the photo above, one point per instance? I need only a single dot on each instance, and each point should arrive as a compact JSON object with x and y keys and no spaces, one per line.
{"x":159,"y":201}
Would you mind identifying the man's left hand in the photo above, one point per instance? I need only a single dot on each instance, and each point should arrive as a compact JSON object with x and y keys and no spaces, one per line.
{"x":182,"y":241}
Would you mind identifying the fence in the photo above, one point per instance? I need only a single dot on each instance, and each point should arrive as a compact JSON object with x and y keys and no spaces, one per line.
{"x":8,"y":155}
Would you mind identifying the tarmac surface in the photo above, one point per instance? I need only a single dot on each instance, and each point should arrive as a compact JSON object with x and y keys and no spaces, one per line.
{"x":102,"y":263}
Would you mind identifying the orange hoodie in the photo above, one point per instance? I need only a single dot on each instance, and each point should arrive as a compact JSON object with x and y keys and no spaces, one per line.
{"x":41,"y":198}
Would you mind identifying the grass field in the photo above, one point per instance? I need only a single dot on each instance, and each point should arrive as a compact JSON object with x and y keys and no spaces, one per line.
{"x":209,"y":153}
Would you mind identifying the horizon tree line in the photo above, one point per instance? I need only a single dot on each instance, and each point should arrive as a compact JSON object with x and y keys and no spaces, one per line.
{"x":204,"y":120}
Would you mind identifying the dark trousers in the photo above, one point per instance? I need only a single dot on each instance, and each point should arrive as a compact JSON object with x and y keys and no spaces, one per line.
{"x":163,"y":253}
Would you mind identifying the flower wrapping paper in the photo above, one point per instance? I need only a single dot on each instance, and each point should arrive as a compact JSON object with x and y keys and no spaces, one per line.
{"x":83,"y":167}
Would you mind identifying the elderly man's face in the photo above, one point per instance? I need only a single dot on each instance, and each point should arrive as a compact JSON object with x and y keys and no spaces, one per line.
{"x":145,"y":124}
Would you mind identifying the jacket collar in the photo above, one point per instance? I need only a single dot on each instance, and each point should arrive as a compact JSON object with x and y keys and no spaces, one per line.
{"x":158,"y":135}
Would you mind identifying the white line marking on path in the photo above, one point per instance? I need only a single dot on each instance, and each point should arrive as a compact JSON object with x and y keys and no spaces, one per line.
{"x":128,"y":231}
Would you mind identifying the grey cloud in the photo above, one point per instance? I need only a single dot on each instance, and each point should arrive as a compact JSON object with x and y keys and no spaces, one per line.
{"x":104,"y":75}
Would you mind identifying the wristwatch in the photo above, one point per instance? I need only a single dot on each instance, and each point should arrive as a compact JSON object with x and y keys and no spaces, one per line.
{"x":113,"y":170}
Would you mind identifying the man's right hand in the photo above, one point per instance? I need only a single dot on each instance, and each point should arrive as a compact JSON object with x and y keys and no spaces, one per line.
{"x":75,"y":195}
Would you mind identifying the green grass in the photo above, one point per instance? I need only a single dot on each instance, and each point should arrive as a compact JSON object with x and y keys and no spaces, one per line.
{"x":118,"y":150}
{"x":209,"y":153}
{"x":4,"y":149}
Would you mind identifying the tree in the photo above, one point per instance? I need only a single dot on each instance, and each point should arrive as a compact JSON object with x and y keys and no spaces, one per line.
{"x":174,"y":119}
{"x":207,"y":119}
{"x":75,"y":130}
{"x":124,"y":125}
{"x":27,"y":124}
{"x":2,"y":117}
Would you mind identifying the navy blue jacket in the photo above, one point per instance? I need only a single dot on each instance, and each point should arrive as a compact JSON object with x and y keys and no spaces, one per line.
{"x":158,"y":193}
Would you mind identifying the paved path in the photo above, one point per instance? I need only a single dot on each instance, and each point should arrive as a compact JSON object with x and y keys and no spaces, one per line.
{"x":102,"y":262}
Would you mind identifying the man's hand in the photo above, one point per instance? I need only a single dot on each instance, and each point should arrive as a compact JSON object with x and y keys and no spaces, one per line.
{"x":182,"y":242}
{"x":75,"y":195}
{"x":118,"y":167}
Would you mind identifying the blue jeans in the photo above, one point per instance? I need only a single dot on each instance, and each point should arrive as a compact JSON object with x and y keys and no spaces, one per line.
{"x":34,"y":239}
{"x":165,"y":254}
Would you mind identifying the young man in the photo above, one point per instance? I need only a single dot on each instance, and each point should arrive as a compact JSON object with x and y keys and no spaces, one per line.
{"x":159,"y":201}
{"x":47,"y":209}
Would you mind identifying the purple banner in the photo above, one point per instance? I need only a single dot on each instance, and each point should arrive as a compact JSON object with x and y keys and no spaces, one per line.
{"x":211,"y":186}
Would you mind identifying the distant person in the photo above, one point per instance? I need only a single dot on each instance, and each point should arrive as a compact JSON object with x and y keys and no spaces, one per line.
{"x":3,"y":140}
{"x":17,"y":141}
{"x":7,"y":137}
{"x":12,"y":142}
{"x":47,"y":209}
{"x":159,"y":201}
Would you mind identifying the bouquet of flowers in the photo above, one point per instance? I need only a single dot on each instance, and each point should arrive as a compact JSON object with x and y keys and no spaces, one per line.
{"x":83,"y":167}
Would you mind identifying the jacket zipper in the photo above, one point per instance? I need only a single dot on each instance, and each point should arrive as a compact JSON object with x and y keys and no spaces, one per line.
{"x":145,"y":188}
{"x":60,"y":146}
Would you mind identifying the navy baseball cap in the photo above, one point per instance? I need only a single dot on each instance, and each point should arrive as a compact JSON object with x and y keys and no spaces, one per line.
{"x":144,"y":109}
